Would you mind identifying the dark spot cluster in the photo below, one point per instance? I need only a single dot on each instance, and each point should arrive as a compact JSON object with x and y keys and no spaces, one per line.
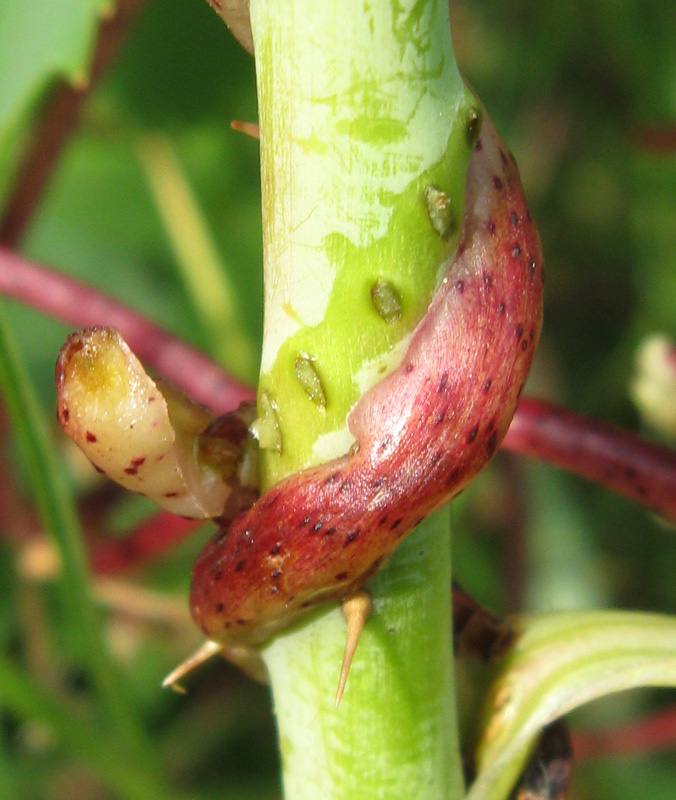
{"x":516,"y":251}
{"x":135,"y":465}
{"x":453,"y":478}
{"x":497,"y":182}
{"x":342,"y":576}
{"x":488,"y":279}
{"x":443,"y":382}
{"x":352,"y":536}
{"x":492,"y":444}
{"x":487,"y":384}
{"x":239,"y":566}
{"x":460,"y":286}
{"x":471,"y":436}
{"x":514,"y":217}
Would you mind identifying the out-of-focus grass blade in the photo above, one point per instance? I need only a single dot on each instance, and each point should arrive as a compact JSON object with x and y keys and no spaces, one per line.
{"x":559,"y":662}
{"x":203,"y":272}
{"x":89,"y":744}
{"x":56,"y":508}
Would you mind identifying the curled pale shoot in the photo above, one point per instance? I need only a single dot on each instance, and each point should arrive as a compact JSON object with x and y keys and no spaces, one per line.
{"x":148,"y":436}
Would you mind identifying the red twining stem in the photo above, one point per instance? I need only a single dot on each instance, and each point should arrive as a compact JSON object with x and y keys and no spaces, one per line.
{"x":656,"y":732}
{"x":614,"y":458}
{"x":143,"y":545}
{"x":617,"y":459}
{"x":81,"y":306}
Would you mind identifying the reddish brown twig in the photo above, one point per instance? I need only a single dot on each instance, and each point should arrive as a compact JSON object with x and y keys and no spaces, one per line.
{"x":619,"y":460}
{"x":81,"y":306}
{"x":658,"y":140}
{"x":656,"y":732}
{"x":143,"y":545}
{"x":59,"y":120}
{"x":614,"y":458}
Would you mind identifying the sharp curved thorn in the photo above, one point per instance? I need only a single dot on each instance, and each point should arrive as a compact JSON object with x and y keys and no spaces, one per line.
{"x":205,"y":652}
{"x":356,"y":609}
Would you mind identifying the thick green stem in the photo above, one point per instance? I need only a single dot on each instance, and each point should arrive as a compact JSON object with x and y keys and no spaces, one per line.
{"x":394,"y":734}
{"x":362,"y":115}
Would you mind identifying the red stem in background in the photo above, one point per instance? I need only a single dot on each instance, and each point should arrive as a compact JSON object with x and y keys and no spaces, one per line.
{"x":656,"y":732}
{"x":143,"y":545}
{"x":617,"y":459}
{"x":81,"y":306}
{"x":59,"y":120}
{"x":614,"y":458}
{"x":658,"y":140}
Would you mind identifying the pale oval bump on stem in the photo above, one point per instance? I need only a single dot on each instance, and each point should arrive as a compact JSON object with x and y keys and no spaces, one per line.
{"x":386,"y":301}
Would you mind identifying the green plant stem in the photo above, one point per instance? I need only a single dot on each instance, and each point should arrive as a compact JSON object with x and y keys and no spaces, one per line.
{"x":361,"y":109}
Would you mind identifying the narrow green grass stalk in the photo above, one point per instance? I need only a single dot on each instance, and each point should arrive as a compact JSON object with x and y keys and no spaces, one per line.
{"x":92,"y":746}
{"x":204,"y":275}
{"x":361,"y":109}
{"x":54,"y":503}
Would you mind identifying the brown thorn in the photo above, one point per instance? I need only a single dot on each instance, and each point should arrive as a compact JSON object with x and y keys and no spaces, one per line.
{"x":356,"y":609}
{"x":249,"y":128}
{"x":205,"y":652}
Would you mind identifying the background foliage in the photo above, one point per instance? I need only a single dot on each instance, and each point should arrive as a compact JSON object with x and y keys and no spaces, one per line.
{"x":577,"y":90}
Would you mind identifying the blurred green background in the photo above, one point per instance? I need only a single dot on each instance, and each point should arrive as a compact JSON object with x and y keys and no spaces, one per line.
{"x":576,"y":90}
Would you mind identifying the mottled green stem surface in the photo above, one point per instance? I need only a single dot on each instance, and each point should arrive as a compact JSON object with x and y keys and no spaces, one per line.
{"x":364,"y":122}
